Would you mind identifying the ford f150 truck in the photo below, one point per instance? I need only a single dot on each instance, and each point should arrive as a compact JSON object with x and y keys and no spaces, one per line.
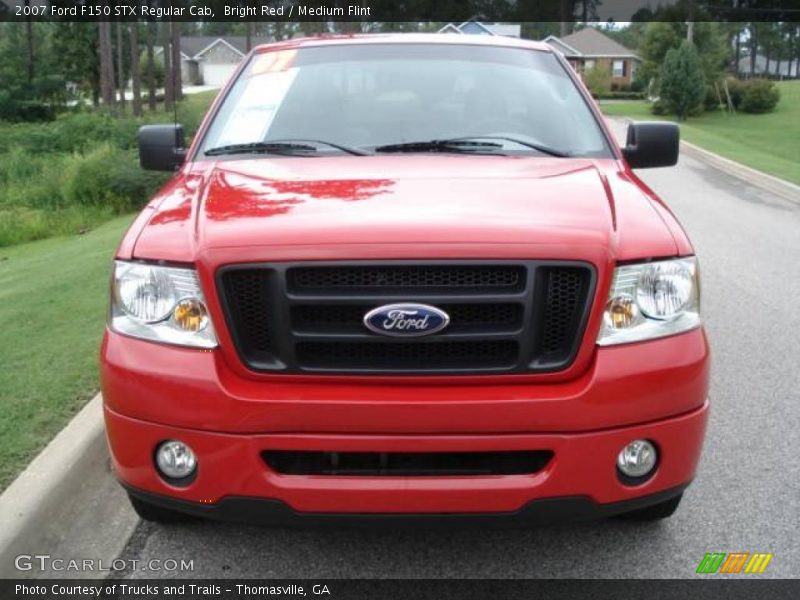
{"x":405,"y":275}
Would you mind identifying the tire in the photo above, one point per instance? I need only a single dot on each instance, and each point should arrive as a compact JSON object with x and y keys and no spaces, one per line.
{"x":158,"y":514}
{"x":656,"y":512}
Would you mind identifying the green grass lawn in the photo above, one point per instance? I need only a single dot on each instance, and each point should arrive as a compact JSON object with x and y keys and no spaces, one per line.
{"x":53,"y":301}
{"x":768,"y":142}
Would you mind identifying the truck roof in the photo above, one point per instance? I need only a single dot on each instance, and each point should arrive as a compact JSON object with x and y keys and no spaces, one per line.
{"x":405,"y":38}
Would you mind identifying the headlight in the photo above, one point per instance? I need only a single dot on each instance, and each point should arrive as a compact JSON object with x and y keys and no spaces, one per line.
{"x":651,"y":300}
{"x":162,"y":304}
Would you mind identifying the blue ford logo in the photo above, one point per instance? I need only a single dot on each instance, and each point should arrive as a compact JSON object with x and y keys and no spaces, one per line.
{"x":406,"y":320}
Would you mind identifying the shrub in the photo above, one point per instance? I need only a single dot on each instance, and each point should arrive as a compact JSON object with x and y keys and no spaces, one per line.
{"x":760,"y":96}
{"x":19,"y":225}
{"x":77,"y":171}
{"x":626,"y":95}
{"x":660,"y":108}
{"x":598,"y":80}
{"x":736,"y":91}
{"x":639,"y":83}
{"x":158,"y":70}
{"x":711,"y":101}
{"x":682,"y":81}
{"x":108,"y":176}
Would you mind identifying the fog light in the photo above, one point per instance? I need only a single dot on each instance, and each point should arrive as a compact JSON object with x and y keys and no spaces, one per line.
{"x":637,"y":459}
{"x":175,"y":460}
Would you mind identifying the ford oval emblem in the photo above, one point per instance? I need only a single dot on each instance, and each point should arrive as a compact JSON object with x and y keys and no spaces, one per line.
{"x":406,"y":320}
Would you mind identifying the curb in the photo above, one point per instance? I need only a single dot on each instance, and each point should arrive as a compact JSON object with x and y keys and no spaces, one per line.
{"x":779,"y":187}
{"x":65,"y":502}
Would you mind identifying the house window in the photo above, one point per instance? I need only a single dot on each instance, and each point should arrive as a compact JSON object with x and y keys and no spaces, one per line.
{"x":619,"y":68}
{"x":589,"y":64}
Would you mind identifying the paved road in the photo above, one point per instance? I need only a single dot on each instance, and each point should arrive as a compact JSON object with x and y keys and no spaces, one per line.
{"x":746,"y":497}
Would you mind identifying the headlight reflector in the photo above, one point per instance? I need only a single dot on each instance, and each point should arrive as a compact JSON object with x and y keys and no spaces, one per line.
{"x":162,"y":304}
{"x":664,"y":289}
{"x":651,"y":300}
{"x":145,"y":293}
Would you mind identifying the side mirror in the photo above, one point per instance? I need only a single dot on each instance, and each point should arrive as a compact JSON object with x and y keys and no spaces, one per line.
{"x":161,"y":147}
{"x":652,"y":144}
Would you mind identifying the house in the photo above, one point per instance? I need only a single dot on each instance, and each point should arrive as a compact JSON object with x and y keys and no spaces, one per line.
{"x":478,"y":28}
{"x":589,"y":48}
{"x":211,"y":60}
{"x":780,"y":69}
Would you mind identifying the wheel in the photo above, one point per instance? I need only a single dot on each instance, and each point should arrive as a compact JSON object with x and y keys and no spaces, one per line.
{"x":656,"y":512}
{"x":158,"y":514}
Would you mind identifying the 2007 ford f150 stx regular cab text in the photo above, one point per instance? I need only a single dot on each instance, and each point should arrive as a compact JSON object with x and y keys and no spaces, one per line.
{"x":405,"y":275}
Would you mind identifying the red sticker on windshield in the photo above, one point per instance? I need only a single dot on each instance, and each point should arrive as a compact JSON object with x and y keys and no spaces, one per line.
{"x":273,"y":62}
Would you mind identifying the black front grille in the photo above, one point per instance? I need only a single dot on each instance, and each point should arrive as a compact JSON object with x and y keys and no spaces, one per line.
{"x":403,"y":277}
{"x":463,"y":317}
{"x":406,"y":464}
{"x":506,"y":317}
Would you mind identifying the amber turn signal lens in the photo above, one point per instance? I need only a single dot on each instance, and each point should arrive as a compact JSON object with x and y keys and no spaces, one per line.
{"x":621,"y":312}
{"x":190,"y":315}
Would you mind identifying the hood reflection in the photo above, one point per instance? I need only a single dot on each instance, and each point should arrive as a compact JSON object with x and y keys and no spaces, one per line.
{"x":233,"y":195}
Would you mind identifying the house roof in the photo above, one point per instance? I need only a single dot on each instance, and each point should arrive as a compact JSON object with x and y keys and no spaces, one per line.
{"x":506,"y":29}
{"x":590,"y":42}
{"x":776,"y":67}
{"x":477,"y":28}
{"x":194,"y":46}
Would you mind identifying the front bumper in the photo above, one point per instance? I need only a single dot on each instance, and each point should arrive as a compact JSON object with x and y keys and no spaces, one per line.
{"x":655,"y":390}
{"x":231,"y":473}
{"x":265,"y":511}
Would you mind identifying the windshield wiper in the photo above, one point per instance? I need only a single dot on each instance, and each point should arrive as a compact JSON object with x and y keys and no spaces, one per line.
{"x":538,"y":147}
{"x":467,"y":144}
{"x":342,"y":147}
{"x":289,"y":147}
{"x":262,"y":148}
{"x":453,"y":145}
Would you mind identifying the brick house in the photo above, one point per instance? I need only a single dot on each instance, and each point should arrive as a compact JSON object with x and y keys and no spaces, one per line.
{"x":589,"y":48}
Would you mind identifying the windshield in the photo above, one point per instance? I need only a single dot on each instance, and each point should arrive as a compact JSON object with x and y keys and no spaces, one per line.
{"x":374,"y":97}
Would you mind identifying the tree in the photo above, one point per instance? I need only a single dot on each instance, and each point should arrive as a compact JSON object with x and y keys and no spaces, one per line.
{"x":683,"y":85}
{"x":176,"y":81}
{"x":29,"y":44}
{"x":169,"y":89}
{"x":150,"y":32}
{"x":76,"y":46}
{"x":106,"y":64}
{"x":120,"y":67}
{"x":710,"y":40}
{"x":136,"y":76}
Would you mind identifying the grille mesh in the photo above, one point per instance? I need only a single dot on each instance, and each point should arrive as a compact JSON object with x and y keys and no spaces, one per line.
{"x":407,"y":277}
{"x":408,"y":355}
{"x":246,"y":293}
{"x":566,"y":295}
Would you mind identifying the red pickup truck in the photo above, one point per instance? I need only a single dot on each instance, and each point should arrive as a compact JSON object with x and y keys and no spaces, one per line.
{"x":405,"y":275}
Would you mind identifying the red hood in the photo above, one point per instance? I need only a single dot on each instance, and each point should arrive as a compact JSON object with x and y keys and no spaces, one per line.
{"x":419,"y":199}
